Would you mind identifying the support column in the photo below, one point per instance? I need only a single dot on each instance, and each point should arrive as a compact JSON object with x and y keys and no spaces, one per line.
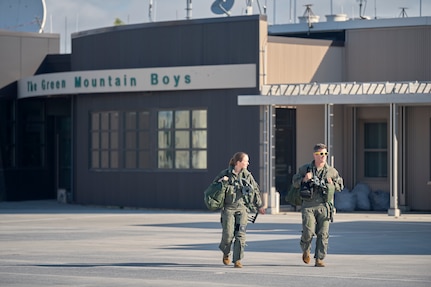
{"x":329,"y":125}
{"x":393,"y":162}
{"x":272,"y":198}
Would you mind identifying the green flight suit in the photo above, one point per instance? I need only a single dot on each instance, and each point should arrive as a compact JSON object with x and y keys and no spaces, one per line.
{"x":316,"y":211}
{"x":234,"y":215}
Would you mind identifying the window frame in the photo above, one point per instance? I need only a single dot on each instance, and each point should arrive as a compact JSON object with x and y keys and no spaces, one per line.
{"x":169,"y":128}
{"x":107,"y":150}
{"x":124,"y":140}
{"x":382,"y":149}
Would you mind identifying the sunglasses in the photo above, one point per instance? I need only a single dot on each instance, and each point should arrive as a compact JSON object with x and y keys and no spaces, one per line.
{"x":321,"y":153}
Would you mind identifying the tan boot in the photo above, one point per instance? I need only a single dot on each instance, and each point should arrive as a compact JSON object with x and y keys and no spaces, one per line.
{"x":238,"y":264}
{"x":319,"y":263}
{"x":226,"y":260}
{"x":306,"y":257}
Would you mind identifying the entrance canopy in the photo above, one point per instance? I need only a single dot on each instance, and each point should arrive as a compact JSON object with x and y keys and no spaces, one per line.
{"x":328,"y":94}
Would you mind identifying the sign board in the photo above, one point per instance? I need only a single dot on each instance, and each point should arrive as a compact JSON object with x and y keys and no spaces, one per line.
{"x":139,"y":80}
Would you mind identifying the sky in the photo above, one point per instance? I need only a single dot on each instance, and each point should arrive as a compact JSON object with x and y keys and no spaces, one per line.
{"x":69,"y":16}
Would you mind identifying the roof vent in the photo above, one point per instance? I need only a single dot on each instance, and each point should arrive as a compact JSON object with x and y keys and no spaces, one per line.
{"x":336,"y":18}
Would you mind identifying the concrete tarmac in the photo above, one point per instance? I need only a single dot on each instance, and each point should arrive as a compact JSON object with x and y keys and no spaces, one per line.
{"x":45,"y":243}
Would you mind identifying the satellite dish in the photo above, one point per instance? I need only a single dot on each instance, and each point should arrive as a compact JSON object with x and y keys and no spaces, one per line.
{"x":23,"y":15}
{"x":222,"y":7}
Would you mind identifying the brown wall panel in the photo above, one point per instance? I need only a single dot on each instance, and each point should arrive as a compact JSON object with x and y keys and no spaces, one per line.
{"x":293,"y":60}
{"x":388,"y":54}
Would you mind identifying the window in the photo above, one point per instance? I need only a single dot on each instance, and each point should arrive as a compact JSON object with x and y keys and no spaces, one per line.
{"x":8,"y":129}
{"x":182,"y":139}
{"x":375,"y":150}
{"x":33,"y":134}
{"x":124,"y":140}
{"x":137,"y":140}
{"x":104,"y":140}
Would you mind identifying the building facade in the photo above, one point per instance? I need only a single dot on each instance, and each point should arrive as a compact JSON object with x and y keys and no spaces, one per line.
{"x":146,"y":115}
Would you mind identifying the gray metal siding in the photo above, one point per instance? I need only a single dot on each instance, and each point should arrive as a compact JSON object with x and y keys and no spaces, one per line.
{"x":230,"y":128}
{"x":169,"y":44}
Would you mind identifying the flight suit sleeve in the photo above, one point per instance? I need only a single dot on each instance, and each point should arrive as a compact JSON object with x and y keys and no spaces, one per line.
{"x":257,"y":199}
{"x":297,"y":178}
{"x":337,"y":181}
{"x":336,"y":185}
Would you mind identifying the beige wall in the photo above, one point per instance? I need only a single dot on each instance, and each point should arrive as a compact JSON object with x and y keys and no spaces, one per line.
{"x":396,"y":54}
{"x":418,"y":159}
{"x":369,"y":55}
{"x":22,"y":53}
{"x":309,"y":131}
{"x":294,"y":60}
{"x":263,"y":41}
{"x":388,"y":54}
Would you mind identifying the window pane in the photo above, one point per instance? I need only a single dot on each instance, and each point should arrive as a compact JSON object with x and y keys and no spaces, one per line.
{"x":144,"y":159}
{"x":144,"y":140}
{"x":199,"y":119}
{"x":375,"y":164}
{"x":144,"y":120}
{"x":165,"y":159}
{"x":32,"y":156}
{"x":104,"y":161}
{"x":130,"y":159}
{"x":33,"y":110}
{"x":33,"y":150}
{"x":165,"y":139}
{"x":165,"y":120}
{"x":375,"y":153}
{"x":114,"y":159}
{"x":34,"y":133}
{"x":95,"y":140}
{"x":105,"y":140}
{"x":199,"y":139}
{"x":104,"y":121}
{"x":199,"y":159}
{"x":182,"y":120}
{"x":182,"y":139}
{"x":130,"y":140}
{"x":375,"y":135}
{"x":182,"y":159}
{"x":95,"y":159}
{"x":114,"y":140}
{"x":114,"y":121}
{"x":95,"y":121}
{"x":130,"y":119}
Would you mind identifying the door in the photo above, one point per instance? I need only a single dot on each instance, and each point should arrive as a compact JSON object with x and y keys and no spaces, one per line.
{"x":63,"y":152}
{"x":285,"y":150}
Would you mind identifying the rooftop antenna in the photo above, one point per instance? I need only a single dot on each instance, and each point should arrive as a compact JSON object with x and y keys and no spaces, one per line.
{"x":420,"y":8}
{"x":189,"y":9}
{"x":222,"y":7}
{"x":309,"y":14}
{"x":403,"y":13}
{"x":264,"y":7}
{"x":362,"y":11}
{"x":260,"y":8}
{"x":150,"y":10}
{"x":249,"y":8}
